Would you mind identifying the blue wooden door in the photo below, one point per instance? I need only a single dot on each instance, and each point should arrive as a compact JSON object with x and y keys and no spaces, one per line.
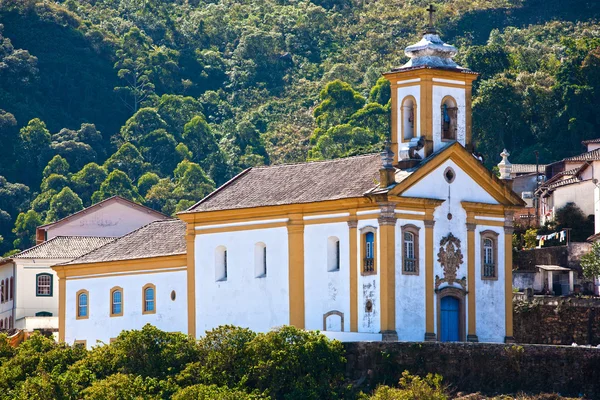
{"x":450,"y":319}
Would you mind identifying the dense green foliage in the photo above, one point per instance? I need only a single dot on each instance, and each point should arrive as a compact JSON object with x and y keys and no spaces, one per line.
{"x":162,"y":101}
{"x":229,"y":363}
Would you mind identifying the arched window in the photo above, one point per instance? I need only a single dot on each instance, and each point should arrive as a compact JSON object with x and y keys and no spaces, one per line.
{"x":2,"y":291}
{"x":83,"y":298}
{"x":449,"y":114}
{"x":333,"y":254}
{"x":12,"y":288}
{"x":409,"y":118}
{"x":368,"y":250}
{"x":221,"y":263}
{"x":116,"y":302}
{"x":489,"y":255}
{"x":260,"y":260}
{"x":43,"y":285}
{"x":149,"y":299}
{"x":410,"y":250}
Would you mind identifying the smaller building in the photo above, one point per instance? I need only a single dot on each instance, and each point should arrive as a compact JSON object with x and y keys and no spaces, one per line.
{"x":137,"y":279}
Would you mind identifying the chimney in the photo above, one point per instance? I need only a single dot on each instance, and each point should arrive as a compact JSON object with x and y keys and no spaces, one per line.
{"x":387,"y":174}
{"x":505,"y":168}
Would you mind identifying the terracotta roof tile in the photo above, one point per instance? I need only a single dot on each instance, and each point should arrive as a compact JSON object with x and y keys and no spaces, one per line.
{"x":295,"y":183}
{"x":589,"y":156}
{"x":597,"y":140}
{"x":158,"y":238}
{"x":526,"y":168}
{"x":68,"y":247}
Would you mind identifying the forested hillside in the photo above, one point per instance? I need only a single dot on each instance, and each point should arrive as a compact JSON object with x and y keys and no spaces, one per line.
{"x":161,"y":101}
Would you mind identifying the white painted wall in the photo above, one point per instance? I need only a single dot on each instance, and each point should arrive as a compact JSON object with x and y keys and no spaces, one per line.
{"x":410,"y":289}
{"x":581,"y":193}
{"x":28,"y":303}
{"x":112,"y":220}
{"x":439,"y":92}
{"x":326,"y":290}
{"x":596,"y":209}
{"x":170,"y":315}
{"x":489,"y":294}
{"x":368,"y":285}
{"x":243,"y":300}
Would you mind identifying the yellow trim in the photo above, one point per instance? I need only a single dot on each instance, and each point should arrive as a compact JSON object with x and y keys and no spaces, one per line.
{"x":147,"y":286}
{"x":508,"y":294}
{"x":415,"y":105}
{"x":87,"y":315}
{"x":114,"y":289}
{"x":387,"y":236}
{"x":427,"y":112}
{"x":394,"y":122}
{"x":325,"y":220}
{"x":128,"y":274}
{"x":191,"y":280}
{"x":136,"y":265}
{"x":296,"y":270}
{"x":62,"y":308}
{"x":353,"y":234}
{"x":471,"y":303}
{"x":472,"y":167}
{"x":429,"y":284}
{"x":242,"y":228}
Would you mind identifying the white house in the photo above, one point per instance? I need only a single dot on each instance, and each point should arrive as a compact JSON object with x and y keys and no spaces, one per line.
{"x":29,"y":287}
{"x":412,"y":244}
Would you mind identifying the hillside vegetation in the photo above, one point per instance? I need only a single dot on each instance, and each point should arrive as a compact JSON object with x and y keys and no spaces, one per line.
{"x":160,"y":101}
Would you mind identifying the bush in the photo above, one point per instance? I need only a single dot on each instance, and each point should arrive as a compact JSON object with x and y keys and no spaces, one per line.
{"x":413,"y":388}
{"x":214,"y":392}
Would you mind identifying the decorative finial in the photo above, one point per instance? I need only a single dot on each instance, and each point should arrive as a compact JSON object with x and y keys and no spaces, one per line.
{"x":430,"y":28}
{"x":387,"y":155}
{"x":505,"y":166}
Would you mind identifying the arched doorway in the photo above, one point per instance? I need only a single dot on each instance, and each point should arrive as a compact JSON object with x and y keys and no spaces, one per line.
{"x":450,"y":319}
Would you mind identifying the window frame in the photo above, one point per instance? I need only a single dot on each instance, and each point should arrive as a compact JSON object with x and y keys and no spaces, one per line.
{"x":334,"y":262}
{"x":493,"y":236}
{"x":364,"y":231}
{"x":144,"y":308}
{"x":260,"y":260}
{"x":12,"y":288}
{"x":415,"y":232}
{"x":453,"y":129}
{"x":221,"y":261}
{"x":111,"y":304}
{"x":78,"y":304}
{"x":37,"y":284}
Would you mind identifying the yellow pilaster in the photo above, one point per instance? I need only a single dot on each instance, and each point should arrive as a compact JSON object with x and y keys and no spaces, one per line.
{"x":191,"y":279}
{"x":62,"y":305}
{"x":394,"y":121}
{"x":471,"y":281}
{"x":296,"y":270}
{"x":427,"y":112}
{"x":508,"y":265}
{"x":387,"y":235}
{"x":352,"y":225}
{"x":429,"y":284}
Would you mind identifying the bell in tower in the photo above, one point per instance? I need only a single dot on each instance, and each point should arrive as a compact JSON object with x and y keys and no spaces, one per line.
{"x":431,"y":99}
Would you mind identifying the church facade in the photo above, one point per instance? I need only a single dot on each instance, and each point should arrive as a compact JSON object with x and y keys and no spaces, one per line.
{"x":412,"y":244}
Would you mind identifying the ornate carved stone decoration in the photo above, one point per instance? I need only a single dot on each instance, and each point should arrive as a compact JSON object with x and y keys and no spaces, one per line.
{"x":450,"y":257}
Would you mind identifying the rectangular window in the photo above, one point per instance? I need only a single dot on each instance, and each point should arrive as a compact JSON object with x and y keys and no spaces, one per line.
{"x":117,"y":302}
{"x":225,"y":265}
{"x":265,"y":261}
{"x":337,"y":255}
{"x":82,"y":306}
{"x":44,"y":285}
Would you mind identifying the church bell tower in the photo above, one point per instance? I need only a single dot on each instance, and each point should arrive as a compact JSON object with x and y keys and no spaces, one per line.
{"x":431,"y":99}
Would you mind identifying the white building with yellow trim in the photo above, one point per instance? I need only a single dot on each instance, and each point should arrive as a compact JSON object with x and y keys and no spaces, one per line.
{"x":413,"y":244}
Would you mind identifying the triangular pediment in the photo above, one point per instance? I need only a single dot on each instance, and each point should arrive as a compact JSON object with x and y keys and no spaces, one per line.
{"x":468,"y":164}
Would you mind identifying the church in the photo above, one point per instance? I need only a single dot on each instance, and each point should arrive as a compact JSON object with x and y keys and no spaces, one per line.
{"x":413,"y":244}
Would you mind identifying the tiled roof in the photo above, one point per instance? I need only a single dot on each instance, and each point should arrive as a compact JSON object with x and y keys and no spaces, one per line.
{"x":563,"y":182}
{"x":158,"y":238}
{"x":68,"y":247}
{"x":295,"y":183}
{"x":526,"y":168}
{"x":589,"y":156}
{"x":597,"y":140}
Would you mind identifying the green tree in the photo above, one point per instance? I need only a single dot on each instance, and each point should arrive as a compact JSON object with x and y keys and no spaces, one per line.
{"x":530,"y":238}
{"x":146,"y":182}
{"x":158,"y":149}
{"x":572,"y":217}
{"x":144,"y":121}
{"x":35,"y":148}
{"x":590,"y":262}
{"x":338,"y":102}
{"x":177,"y":111}
{"x":214,"y":392}
{"x":25,"y":229}
{"x":58,"y":165}
{"x":88,"y":180}
{"x":201,"y":141}
{"x":129,"y":160}
{"x":117,"y":183}
{"x":63,"y":204}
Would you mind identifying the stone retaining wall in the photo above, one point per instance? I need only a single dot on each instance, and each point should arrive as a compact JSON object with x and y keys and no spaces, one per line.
{"x":480,"y":367}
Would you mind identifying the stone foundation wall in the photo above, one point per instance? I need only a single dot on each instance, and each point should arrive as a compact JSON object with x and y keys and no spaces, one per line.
{"x":551,"y":320}
{"x":480,"y":367}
